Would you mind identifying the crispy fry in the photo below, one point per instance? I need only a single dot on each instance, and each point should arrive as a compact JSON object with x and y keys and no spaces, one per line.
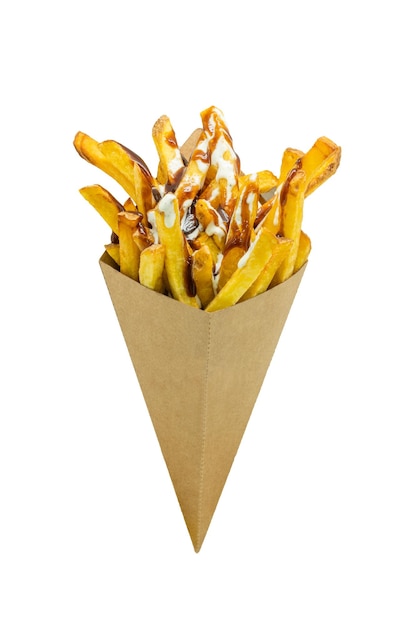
{"x":129,"y":205}
{"x":208,"y":225}
{"x":202,"y":272}
{"x":194,"y":175}
{"x":177,"y":253}
{"x":320,"y":162}
{"x":224,"y":162}
{"x":171,"y":165}
{"x":104,"y":203}
{"x":270,"y":214}
{"x":129,"y":251}
{"x":113,"y":249}
{"x":288,"y":162}
{"x":240,"y":229}
{"x":211,"y":222}
{"x":250,"y":266}
{"x":261,"y":284}
{"x":143,"y":237}
{"x":114,"y":159}
{"x":143,"y":191}
{"x":304,"y":249}
{"x":266,"y":180}
{"x":151,"y":267}
{"x":292,"y":203}
{"x":204,"y":240}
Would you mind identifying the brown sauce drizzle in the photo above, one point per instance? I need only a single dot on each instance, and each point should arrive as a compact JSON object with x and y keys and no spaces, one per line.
{"x":190,"y":222}
{"x":203,"y":156}
{"x":188,"y":276}
{"x":156,"y":194}
{"x":286,"y":184}
{"x":137,"y":159}
{"x":223,"y":214}
{"x":171,"y":186}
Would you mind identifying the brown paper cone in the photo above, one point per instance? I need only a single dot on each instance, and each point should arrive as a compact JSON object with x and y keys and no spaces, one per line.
{"x":200,"y":374}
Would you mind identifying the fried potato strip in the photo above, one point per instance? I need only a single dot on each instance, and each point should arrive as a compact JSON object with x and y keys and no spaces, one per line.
{"x":177,"y":253}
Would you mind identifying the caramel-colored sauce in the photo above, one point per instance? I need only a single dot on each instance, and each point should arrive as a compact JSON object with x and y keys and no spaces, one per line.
{"x":137,"y":159}
{"x":189,"y":222}
{"x":286,"y":184}
{"x":188,"y":276}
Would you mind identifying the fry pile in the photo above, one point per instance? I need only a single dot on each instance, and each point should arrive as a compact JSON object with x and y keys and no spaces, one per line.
{"x":201,"y":231}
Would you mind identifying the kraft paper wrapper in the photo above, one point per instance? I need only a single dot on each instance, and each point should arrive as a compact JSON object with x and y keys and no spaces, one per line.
{"x":200,"y":374}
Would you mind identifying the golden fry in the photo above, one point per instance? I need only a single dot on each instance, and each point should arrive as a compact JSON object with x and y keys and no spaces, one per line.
{"x":320,"y":162}
{"x":211,"y":222}
{"x":171,"y":165}
{"x":113,"y":249}
{"x":248,"y":270}
{"x":151,"y":267}
{"x":104,"y":203}
{"x":239,"y":230}
{"x":114,"y":159}
{"x":143,"y":191}
{"x":177,"y":253}
{"x":290,"y":159}
{"x":202,"y":272}
{"x":201,"y":231}
{"x":292,"y":203}
{"x":266,"y":180}
{"x":304,"y":249}
{"x":262,"y":283}
{"x":224,"y":162}
{"x":129,"y":251}
{"x":194,"y":175}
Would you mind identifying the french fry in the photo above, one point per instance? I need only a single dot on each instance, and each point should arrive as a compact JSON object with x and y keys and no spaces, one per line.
{"x":128,"y":250}
{"x":289,"y":161}
{"x":271,"y":214}
{"x":194,"y":175}
{"x":202,"y":273}
{"x":266,"y":181}
{"x":250,"y":266}
{"x":224,"y":162}
{"x":320,"y":162}
{"x":211,"y":222}
{"x":200,"y":229}
{"x":105,"y":204}
{"x":151,"y":267}
{"x":143,"y":237}
{"x":171,"y":165}
{"x":113,"y":249}
{"x":292,"y":203}
{"x":177,"y":253}
{"x":304,"y":249}
{"x":204,"y":240}
{"x":263,"y":281}
{"x":129,"y":205}
{"x":143,"y":191}
{"x":114,"y":159}
{"x":239,"y":230}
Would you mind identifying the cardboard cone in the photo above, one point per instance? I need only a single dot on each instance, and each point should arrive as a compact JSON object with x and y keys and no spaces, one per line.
{"x":200,"y":374}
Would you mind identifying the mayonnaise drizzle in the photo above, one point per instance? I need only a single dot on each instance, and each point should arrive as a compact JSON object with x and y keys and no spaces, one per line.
{"x":167,"y":207}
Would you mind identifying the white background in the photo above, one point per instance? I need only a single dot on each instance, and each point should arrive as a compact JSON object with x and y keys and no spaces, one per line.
{"x":317,"y":522}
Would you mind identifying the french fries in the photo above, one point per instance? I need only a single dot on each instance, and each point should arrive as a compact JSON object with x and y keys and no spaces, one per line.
{"x":202,"y":231}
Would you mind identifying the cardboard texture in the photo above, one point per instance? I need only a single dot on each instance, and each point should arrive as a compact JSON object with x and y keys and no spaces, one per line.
{"x":200,"y":374}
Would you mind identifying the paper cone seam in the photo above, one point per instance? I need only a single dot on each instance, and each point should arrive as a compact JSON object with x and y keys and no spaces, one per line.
{"x":204,"y":435}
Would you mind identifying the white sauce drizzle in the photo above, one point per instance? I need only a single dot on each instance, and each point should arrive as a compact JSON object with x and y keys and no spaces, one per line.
{"x":167,"y":207}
